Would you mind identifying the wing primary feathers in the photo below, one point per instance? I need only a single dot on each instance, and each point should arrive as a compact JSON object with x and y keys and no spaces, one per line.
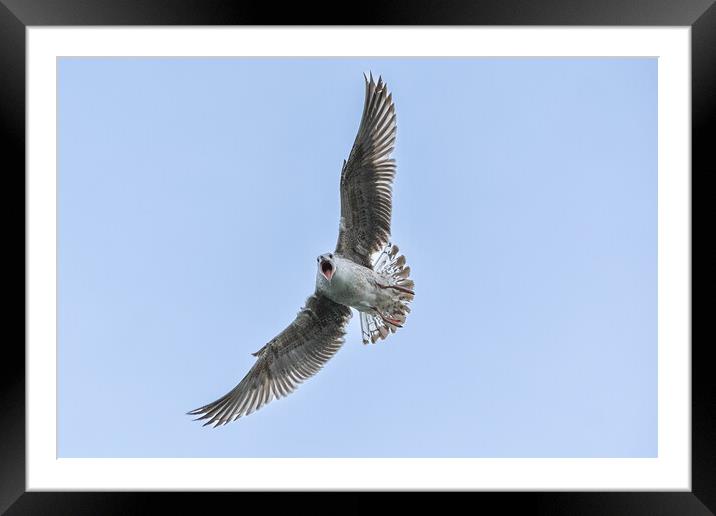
{"x":293,"y":356}
{"x":367,"y":176}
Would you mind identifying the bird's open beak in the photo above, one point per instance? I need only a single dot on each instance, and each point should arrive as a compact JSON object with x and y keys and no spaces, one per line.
{"x":327,"y":269}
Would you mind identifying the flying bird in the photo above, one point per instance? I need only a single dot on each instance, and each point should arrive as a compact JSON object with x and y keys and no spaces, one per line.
{"x":364,"y":272}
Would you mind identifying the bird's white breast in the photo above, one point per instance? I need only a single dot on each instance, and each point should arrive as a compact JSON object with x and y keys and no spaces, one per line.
{"x":351,"y":284}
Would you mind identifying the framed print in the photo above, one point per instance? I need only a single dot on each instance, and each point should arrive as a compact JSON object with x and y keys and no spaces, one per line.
{"x":176,"y":178}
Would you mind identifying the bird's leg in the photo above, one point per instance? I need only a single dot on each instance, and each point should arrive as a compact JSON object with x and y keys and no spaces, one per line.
{"x":396,"y":287}
{"x":386,"y":319}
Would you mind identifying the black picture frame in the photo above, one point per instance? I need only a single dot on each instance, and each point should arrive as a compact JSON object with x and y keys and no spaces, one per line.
{"x":16,"y":15}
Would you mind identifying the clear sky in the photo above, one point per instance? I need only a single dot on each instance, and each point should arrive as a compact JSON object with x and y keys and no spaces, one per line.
{"x":195,"y":195}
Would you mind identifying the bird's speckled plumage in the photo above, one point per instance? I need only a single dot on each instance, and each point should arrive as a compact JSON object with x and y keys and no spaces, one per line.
{"x":294,"y":355}
{"x":367,"y":179}
{"x":355,"y":275}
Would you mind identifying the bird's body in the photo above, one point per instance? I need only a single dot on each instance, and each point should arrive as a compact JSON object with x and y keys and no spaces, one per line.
{"x":365,"y":272}
{"x":351,"y":284}
{"x":375,"y":293}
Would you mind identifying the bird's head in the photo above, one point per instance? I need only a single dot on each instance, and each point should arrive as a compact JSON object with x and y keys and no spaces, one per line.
{"x":326,"y":266}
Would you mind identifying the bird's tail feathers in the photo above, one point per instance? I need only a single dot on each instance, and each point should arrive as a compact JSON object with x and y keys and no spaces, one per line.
{"x":392,"y":267}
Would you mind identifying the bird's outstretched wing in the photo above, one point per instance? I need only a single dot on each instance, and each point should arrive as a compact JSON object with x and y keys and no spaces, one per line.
{"x":294,"y":355}
{"x":367,"y":178}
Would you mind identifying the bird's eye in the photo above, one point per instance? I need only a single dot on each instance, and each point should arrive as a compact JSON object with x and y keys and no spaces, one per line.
{"x":330,"y":255}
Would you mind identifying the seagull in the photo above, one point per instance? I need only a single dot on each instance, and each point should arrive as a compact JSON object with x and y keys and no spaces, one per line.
{"x":364,"y":272}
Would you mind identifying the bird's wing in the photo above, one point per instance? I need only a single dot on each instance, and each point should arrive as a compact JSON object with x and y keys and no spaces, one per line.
{"x":367,"y":178}
{"x":294,"y":355}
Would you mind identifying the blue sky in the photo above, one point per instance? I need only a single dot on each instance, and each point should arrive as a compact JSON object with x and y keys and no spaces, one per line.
{"x":195,"y":195}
